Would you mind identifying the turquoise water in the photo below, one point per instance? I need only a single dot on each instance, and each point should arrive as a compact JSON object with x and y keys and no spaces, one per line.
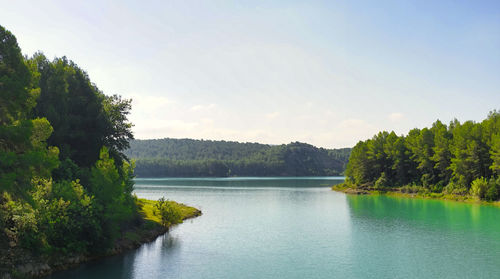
{"x":299,"y":228}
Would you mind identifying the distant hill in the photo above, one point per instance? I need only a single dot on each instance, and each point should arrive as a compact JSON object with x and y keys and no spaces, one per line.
{"x":205,"y":158}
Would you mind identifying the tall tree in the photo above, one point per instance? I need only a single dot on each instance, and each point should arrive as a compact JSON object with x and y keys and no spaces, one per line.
{"x":358,"y":168}
{"x":84,"y":119}
{"x":400,"y":172}
{"x":119,"y":130}
{"x":421,"y":143}
{"x":471,"y":158}
{"x":23,"y":153}
{"x":495,"y":154}
{"x":442,"y":154}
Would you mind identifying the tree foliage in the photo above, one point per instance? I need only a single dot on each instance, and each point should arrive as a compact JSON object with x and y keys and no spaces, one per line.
{"x":167,"y":212}
{"x":459,"y":158}
{"x":199,"y":158}
{"x":65,"y":186}
{"x":84,"y":119}
{"x":23,"y":153}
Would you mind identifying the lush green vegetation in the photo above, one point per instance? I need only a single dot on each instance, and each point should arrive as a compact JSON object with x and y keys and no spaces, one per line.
{"x":65,"y":184}
{"x":459,"y":159}
{"x":165,"y":212}
{"x":154,"y":222}
{"x":205,"y":158}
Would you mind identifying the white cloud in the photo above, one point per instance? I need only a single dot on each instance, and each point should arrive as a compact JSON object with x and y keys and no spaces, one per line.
{"x":396,"y":116}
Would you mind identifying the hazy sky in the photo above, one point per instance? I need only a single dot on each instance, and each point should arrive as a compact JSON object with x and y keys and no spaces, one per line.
{"x":324,"y":72}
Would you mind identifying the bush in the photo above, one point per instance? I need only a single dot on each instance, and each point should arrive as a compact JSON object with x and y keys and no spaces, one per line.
{"x":455,"y":189}
{"x":66,"y":215}
{"x":19,"y":223}
{"x":479,"y":187}
{"x":492,"y":191}
{"x":437,"y":188}
{"x":381,"y":182}
{"x":168,"y":212}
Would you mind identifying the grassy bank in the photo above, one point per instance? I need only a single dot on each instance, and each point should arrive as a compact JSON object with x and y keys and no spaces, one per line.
{"x":148,"y":210}
{"x":151,"y":225}
{"x":401,"y":193}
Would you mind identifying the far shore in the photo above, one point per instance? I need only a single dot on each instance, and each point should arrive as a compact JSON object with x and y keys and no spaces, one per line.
{"x":396,"y":192}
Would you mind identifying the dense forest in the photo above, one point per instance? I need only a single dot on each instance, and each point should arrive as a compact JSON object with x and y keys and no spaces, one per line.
{"x":459,"y":159}
{"x":206,"y":158}
{"x":65,"y":184}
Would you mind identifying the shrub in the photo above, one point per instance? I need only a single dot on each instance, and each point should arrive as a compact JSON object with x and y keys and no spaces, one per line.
{"x":479,"y":187}
{"x":492,"y":191}
{"x":19,"y":223}
{"x":455,"y":189}
{"x":66,"y":215}
{"x":437,"y":188}
{"x":168,"y":212}
{"x":381,"y":182}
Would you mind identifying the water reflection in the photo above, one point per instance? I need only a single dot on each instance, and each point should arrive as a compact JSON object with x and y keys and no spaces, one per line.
{"x":444,"y":215}
{"x":240,"y":182}
{"x":399,"y":237}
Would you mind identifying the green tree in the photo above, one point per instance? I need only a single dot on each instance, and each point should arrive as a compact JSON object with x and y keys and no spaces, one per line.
{"x":442,"y":153}
{"x":84,"y":119}
{"x":358,"y":167}
{"x":471,"y":157}
{"x":492,"y":191}
{"x":118,"y":133}
{"x":112,"y":193}
{"x":401,"y":169}
{"x":421,"y":144}
{"x":17,"y":94}
{"x":23,"y":153}
{"x":168,"y":213}
{"x":379,"y":160}
{"x":495,"y":154}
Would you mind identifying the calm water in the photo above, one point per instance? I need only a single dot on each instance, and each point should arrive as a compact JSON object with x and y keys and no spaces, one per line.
{"x":299,"y":228}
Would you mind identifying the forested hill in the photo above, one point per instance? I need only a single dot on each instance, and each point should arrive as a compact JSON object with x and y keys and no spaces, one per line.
{"x":205,"y":158}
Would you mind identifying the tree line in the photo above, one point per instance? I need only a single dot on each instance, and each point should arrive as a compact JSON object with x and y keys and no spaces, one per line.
{"x":65,"y":183}
{"x":206,"y":158}
{"x":459,"y":158}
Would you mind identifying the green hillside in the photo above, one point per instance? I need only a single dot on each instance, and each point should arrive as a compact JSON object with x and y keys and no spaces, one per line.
{"x":205,"y":158}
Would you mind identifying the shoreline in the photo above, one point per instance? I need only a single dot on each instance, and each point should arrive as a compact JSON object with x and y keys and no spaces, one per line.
{"x":427,"y":196}
{"x":147,"y":231}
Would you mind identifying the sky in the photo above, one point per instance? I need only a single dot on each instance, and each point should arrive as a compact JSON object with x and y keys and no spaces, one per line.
{"x":329,"y":73}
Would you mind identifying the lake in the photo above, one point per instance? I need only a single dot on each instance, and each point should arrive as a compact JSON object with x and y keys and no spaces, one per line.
{"x":299,"y":228}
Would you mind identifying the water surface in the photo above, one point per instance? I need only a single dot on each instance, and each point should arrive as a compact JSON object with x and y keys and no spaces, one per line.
{"x":299,"y":228}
